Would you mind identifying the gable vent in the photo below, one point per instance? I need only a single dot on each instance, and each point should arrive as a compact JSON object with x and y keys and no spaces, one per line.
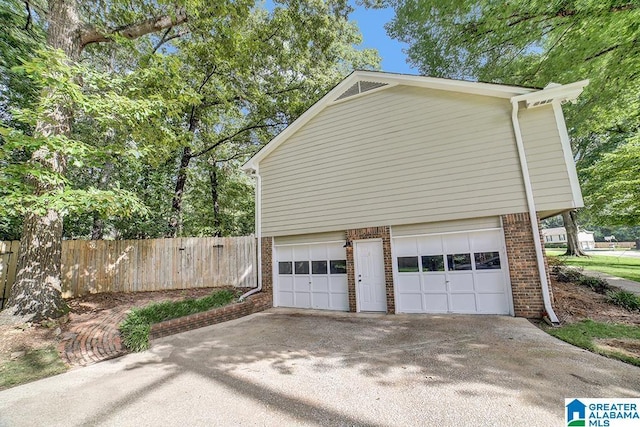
{"x":359,"y":88}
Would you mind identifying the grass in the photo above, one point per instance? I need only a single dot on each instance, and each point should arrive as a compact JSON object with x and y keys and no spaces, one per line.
{"x":585,"y":333}
{"x":625,"y":267}
{"x":34,"y":365}
{"x":136,"y":326}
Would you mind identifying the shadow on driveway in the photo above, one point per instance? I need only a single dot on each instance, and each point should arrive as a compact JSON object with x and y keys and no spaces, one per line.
{"x":288,"y":367}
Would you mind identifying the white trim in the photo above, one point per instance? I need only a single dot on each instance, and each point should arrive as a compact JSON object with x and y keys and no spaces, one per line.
{"x":578,"y":202}
{"x":355,"y":270}
{"x":472,"y":230}
{"x":562,"y":93}
{"x":475,"y":88}
{"x":258,"y":227}
{"x":533,"y":217}
{"x":311,"y":243}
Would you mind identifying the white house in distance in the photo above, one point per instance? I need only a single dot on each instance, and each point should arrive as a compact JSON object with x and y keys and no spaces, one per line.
{"x":410,"y":194}
{"x":559,"y":235}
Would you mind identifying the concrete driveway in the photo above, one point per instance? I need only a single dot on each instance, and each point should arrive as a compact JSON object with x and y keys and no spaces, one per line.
{"x":287,"y":367}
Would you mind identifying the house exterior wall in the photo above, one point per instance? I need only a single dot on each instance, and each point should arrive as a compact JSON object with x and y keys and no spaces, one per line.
{"x":398,"y":156}
{"x":545,"y":159}
{"x":523,"y":268}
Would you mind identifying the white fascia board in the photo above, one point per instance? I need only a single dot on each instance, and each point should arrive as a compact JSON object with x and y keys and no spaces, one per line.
{"x":392,"y":79}
{"x":475,"y":88}
{"x":562,"y":93}
{"x":578,"y":202}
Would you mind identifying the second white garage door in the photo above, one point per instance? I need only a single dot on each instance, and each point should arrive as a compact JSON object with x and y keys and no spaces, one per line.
{"x":311,"y":276}
{"x":452,"y":273}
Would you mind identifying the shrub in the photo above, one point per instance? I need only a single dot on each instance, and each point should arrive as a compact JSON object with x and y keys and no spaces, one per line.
{"x":624,"y":299}
{"x":567,"y":274}
{"x":136,"y":326}
{"x":596,"y":284}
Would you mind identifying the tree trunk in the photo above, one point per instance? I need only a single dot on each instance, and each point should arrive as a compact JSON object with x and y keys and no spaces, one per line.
{"x":97,"y":228}
{"x":573,"y":244}
{"x":213,"y":181}
{"x":36,"y":293}
{"x":175,"y":220}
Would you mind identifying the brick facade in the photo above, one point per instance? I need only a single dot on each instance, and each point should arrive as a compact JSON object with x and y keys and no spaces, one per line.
{"x":371,"y":233}
{"x":523,"y":267}
{"x":267,"y":265}
{"x":253,"y":304}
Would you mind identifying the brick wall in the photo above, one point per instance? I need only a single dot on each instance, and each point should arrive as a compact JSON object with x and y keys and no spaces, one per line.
{"x":371,"y":233}
{"x":253,"y":304}
{"x":523,"y":267}
{"x":267,"y":265}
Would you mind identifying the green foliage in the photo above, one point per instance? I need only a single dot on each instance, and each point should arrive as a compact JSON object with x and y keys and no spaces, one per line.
{"x":533,"y":43}
{"x":596,"y":284}
{"x":104,"y":102}
{"x":137,"y":325}
{"x":624,"y":299}
{"x":585,"y":333}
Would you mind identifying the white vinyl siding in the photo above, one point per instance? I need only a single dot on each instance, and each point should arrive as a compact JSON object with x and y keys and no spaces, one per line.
{"x":398,"y":156}
{"x":546,"y":161}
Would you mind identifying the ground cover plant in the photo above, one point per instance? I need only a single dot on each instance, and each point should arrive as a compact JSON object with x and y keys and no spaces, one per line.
{"x":137,"y":325}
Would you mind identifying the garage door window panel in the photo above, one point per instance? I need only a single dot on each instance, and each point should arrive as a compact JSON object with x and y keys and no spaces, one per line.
{"x":338,"y":266}
{"x":318,"y":267}
{"x":408,"y":264}
{"x":432,"y":263}
{"x":302,"y":267}
{"x":487,"y":261}
{"x":458,"y":262}
{"x":285,"y":267}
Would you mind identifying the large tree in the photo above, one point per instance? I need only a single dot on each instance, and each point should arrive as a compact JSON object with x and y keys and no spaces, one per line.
{"x":70,"y":28}
{"x":533,"y":43}
{"x":210,"y":82}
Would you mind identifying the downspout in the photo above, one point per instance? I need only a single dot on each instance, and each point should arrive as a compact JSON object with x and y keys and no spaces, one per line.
{"x":258,"y":199}
{"x":533,"y":216}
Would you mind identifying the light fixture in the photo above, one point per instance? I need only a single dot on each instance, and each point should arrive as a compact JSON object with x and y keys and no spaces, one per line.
{"x":347,"y":244}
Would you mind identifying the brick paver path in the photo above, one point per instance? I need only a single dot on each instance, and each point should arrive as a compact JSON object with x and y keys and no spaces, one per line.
{"x":92,"y":334}
{"x":93,"y":337}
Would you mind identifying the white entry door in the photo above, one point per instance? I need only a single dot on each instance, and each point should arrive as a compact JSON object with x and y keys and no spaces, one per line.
{"x":369,"y":271}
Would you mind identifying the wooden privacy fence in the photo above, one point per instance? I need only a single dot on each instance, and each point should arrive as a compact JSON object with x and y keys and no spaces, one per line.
{"x":8,"y":261}
{"x":93,"y":266}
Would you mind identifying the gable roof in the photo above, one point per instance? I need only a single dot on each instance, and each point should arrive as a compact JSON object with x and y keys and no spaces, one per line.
{"x":362,"y":83}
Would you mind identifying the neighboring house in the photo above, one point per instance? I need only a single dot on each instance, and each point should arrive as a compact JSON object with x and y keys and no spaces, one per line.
{"x":559,"y":235}
{"x":410,"y":194}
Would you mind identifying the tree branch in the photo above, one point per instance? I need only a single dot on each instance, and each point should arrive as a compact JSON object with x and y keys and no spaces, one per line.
{"x":166,"y":39}
{"x":230,"y":137}
{"x":133,"y":31}
{"x":29,"y":17}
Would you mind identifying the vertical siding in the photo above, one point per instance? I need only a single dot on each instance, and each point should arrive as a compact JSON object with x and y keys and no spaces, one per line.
{"x":399,"y":156}
{"x":545,"y":158}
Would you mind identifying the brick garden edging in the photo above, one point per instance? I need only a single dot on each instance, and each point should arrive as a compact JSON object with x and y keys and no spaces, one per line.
{"x":255,"y":303}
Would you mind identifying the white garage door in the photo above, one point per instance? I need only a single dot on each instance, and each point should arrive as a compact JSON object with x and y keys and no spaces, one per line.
{"x":452,"y":273}
{"x":312,"y":276}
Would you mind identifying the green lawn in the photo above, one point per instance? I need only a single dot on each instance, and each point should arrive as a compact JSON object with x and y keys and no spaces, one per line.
{"x":586,"y":333}
{"x":626,"y":267}
{"x":32,"y":366}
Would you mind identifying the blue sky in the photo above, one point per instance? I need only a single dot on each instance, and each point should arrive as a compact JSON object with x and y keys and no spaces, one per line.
{"x":371,"y":23}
